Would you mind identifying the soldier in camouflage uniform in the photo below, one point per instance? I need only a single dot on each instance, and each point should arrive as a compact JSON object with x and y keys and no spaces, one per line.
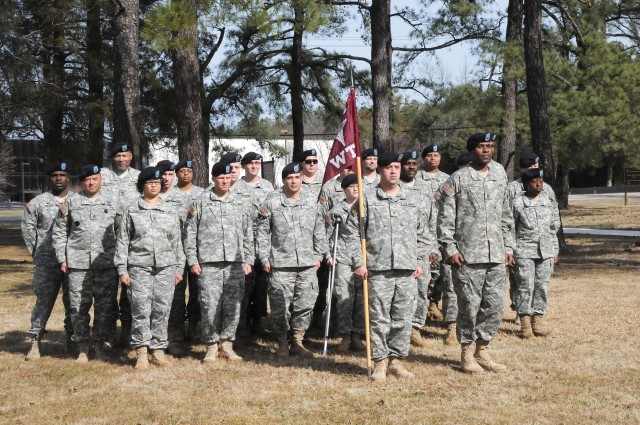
{"x":180,"y":309}
{"x":291,"y":244}
{"x":370,"y":177}
{"x":220,"y":215}
{"x":409,"y":169}
{"x":347,"y":288}
{"x":537,"y":221}
{"x":84,"y":238}
{"x":528,"y":160}
{"x":398,"y":242}
{"x":121,"y":180}
{"x":37,"y":228}
{"x":150,"y":261}
{"x":431,"y":156}
{"x":311,"y":179}
{"x":255,"y":189}
{"x":331,"y":194}
{"x":475,"y":230}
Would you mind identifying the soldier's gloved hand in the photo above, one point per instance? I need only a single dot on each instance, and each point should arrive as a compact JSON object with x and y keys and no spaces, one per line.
{"x":267,"y":267}
{"x":510,"y":261}
{"x":456,"y":260}
{"x":125,"y":279}
{"x":329,"y":262}
{"x":247,"y":269}
{"x":361,"y":272}
{"x":63,"y":267}
{"x":196,"y":269}
{"x":178,"y":278}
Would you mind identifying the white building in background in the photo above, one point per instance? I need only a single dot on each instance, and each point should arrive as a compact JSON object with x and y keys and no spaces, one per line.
{"x":276,"y":153}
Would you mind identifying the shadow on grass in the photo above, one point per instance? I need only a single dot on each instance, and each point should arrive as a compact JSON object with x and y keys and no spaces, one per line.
{"x":18,"y":342}
{"x":432,"y":360}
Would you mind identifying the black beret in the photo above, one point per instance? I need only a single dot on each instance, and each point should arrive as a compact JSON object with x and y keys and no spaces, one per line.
{"x":464,"y":159}
{"x":120,"y":147}
{"x":184,"y":164}
{"x":528,"y":159}
{"x":57,"y":166}
{"x":291,"y":168}
{"x":407,"y":156}
{"x":305,"y":154}
{"x":349,"y":180}
{"x":88,"y":170}
{"x":369,"y":152}
{"x":250,"y":156}
{"x":220,"y":168}
{"x":166,"y":165}
{"x":231,"y":157}
{"x":150,"y":173}
{"x":532,"y":173}
{"x":478,"y":138}
{"x":429,"y":149}
{"x":387,"y":158}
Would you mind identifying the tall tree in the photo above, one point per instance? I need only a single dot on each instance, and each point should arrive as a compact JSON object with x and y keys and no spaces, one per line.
{"x":126,"y":97}
{"x":188,"y":90}
{"x":537,"y":88}
{"x":95,"y":81}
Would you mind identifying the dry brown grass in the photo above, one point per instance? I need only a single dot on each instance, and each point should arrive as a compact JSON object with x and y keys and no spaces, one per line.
{"x":603,"y":214}
{"x":586,"y":372}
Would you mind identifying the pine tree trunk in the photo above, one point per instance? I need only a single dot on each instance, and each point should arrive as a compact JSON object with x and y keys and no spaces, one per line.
{"x":126,"y":96}
{"x":381,"y":55}
{"x":510,"y":87}
{"x":295,"y":81}
{"x":188,"y":87}
{"x":95,"y":83}
{"x":536,"y":88}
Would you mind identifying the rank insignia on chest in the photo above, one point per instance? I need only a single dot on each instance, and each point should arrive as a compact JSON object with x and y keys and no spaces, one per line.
{"x":264,"y":210}
{"x":64,"y":208}
{"x":192,"y":209}
{"x":321,"y":200}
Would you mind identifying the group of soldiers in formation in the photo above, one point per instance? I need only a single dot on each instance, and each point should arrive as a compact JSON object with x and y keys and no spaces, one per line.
{"x":244,"y":250}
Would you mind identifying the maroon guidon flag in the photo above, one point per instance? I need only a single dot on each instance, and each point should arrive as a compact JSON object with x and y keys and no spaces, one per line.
{"x":346,"y":146}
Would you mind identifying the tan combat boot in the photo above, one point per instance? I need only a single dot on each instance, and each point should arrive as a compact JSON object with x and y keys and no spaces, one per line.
{"x":379,"y":371}
{"x":537,"y":326}
{"x":467,"y":363}
{"x":484,"y":360}
{"x":100,"y":352}
{"x":343,"y":346}
{"x":417,"y":340}
{"x":356,"y":342}
{"x":212,"y":353}
{"x":435,"y":314}
{"x":142,"y":361}
{"x":283,"y":346}
{"x":525,"y":327}
{"x":451,"y":338}
{"x":226,"y":351}
{"x":397,"y":369}
{"x":158,"y":358}
{"x":297,"y":347}
{"x":83,"y":352}
{"x":34,"y":351}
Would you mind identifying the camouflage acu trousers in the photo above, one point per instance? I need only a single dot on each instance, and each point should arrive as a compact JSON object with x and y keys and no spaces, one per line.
{"x":347,"y":290}
{"x":480,"y":289}
{"x":292,"y":295}
{"x":221,"y":287}
{"x":98,"y":287}
{"x":150,"y":293}
{"x":533,"y":277}
{"x":46,"y":286}
{"x":422,"y":301}
{"x":392,"y":296}
{"x":449,"y":299}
